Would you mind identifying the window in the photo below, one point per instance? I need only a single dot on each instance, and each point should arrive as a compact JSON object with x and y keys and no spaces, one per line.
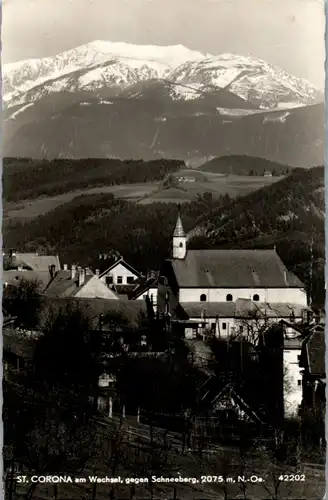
{"x":299,"y":382}
{"x":256,"y":297}
{"x":229,"y":297}
{"x":213,"y":325}
{"x":299,"y":358}
{"x":119,"y":280}
{"x":224,"y":326}
{"x":203,"y":297}
{"x":130,"y":279}
{"x":109,"y":280}
{"x":181,"y":245}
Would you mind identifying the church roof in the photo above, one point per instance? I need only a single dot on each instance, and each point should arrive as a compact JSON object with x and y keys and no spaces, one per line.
{"x":233,"y":268}
{"x":179,"y":231}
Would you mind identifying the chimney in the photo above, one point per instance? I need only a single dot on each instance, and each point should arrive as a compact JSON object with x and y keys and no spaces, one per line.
{"x":285,"y":277}
{"x":81,"y":276}
{"x":65,"y":267}
{"x":97,"y":272}
{"x":52,"y":270}
{"x":73,"y":272}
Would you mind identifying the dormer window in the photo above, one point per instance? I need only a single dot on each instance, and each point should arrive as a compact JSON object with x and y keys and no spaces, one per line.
{"x":203,"y":297}
{"x":229,"y":297}
{"x":256,"y":297}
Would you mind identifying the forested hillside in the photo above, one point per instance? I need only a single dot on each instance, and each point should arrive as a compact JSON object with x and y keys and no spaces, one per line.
{"x":288,"y":214}
{"x":25,"y":178}
{"x":244,"y":165}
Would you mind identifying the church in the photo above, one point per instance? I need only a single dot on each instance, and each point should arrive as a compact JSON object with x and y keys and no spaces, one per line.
{"x":225,"y":290}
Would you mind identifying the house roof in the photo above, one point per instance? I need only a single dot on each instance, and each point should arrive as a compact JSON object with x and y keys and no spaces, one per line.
{"x":143,"y":285}
{"x":93,"y":308}
{"x":241,"y":308}
{"x":35,"y":262}
{"x":13,"y":277}
{"x":123,"y":263}
{"x":233,"y":268}
{"x":315,"y":350}
{"x":62,"y":284}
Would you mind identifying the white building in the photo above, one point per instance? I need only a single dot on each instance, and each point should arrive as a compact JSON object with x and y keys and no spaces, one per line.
{"x":222,"y":289}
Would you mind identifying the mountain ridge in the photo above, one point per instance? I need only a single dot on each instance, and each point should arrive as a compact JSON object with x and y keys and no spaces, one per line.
{"x":245,"y":75}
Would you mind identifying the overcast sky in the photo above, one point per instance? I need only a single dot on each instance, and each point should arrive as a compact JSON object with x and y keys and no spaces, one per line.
{"x":288,"y":33}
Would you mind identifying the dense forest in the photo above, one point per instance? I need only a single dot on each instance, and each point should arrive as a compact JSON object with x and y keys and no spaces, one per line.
{"x":244,"y":165}
{"x":288,"y":214}
{"x":25,"y":178}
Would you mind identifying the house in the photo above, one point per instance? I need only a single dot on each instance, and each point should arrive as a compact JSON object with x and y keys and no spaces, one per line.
{"x":267,"y":173}
{"x":30,"y":267}
{"x":78,"y":283}
{"x":113,"y":270}
{"x":146,"y":287}
{"x":17,"y":261}
{"x":219,"y":289}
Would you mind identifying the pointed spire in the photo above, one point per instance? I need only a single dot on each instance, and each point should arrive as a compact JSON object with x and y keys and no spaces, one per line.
{"x":179,"y":231}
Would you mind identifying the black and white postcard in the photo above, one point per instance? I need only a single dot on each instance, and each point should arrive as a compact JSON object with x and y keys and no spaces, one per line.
{"x":163,"y":283}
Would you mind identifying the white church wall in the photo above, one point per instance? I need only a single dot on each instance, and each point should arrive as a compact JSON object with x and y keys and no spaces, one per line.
{"x":271,"y":295}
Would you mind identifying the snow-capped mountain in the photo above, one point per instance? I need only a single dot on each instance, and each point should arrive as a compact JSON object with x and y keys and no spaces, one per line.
{"x":106,"y":65}
{"x":248,"y":77}
{"x":147,"y":61}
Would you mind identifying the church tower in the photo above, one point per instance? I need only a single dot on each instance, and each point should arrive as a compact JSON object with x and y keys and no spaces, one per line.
{"x":179,"y":240}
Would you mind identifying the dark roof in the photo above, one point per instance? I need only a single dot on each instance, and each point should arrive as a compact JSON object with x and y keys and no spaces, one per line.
{"x":93,"y":308}
{"x":143,"y":285}
{"x":241,"y":308}
{"x":62,"y":284}
{"x":233,"y":268}
{"x":34,"y":262}
{"x":13,"y":277}
{"x":315,"y":349}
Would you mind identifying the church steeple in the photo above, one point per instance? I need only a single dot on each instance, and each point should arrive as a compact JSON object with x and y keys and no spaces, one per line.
{"x":179,"y":240}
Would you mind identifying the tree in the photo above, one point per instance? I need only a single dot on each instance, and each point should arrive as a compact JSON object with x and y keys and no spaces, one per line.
{"x":24,"y":302}
{"x":48,"y":415}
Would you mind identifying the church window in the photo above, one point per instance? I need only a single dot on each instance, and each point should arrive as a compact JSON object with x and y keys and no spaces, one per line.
{"x":203,"y":297}
{"x":256,"y":297}
{"x":229,"y":297}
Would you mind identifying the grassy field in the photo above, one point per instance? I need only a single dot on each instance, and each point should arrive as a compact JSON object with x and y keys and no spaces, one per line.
{"x":145,"y":193}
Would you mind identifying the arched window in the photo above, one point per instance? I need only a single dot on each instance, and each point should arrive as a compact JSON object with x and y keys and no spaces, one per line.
{"x":181,"y":245}
{"x":229,"y":297}
{"x":203,"y":297}
{"x":256,"y":298}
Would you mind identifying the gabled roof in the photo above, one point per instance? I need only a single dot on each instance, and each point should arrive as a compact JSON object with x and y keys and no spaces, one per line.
{"x":62,"y":285}
{"x":13,"y":277}
{"x":123,"y":263}
{"x":34,"y":262}
{"x":233,"y":269}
